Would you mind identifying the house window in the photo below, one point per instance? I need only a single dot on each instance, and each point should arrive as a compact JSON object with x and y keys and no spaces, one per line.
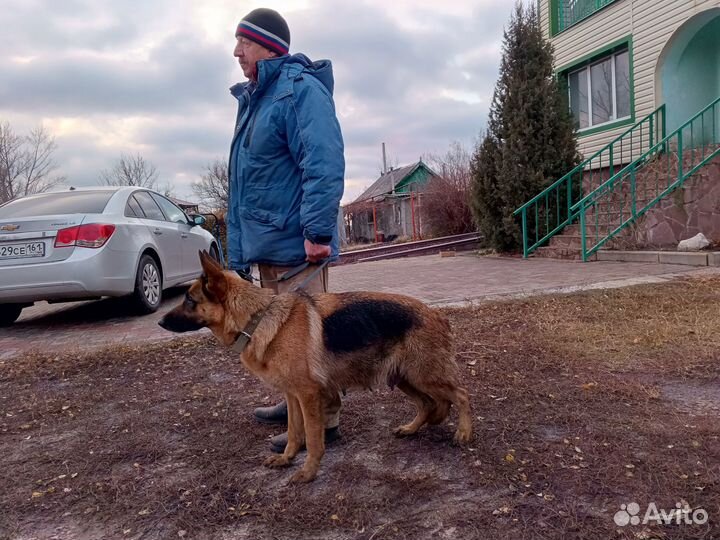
{"x":566,"y":13}
{"x":600,"y":92}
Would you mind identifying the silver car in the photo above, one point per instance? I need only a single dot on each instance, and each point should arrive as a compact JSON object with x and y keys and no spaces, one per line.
{"x":94,"y":242}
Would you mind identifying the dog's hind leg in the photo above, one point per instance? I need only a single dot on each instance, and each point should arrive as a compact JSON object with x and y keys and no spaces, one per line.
{"x":314,"y":423}
{"x":440,"y":412}
{"x":462,"y":402}
{"x":296,"y":435}
{"x":459,"y":397}
{"x":424,"y":405}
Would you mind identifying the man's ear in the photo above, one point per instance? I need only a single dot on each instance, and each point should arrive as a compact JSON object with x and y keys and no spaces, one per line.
{"x":214,"y":278}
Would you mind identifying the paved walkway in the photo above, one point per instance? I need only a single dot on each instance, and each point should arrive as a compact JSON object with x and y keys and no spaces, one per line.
{"x":439,"y":281}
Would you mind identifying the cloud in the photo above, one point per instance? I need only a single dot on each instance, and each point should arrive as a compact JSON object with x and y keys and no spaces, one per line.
{"x":48,"y":27}
{"x":171,"y":79}
{"x":152,"y":76}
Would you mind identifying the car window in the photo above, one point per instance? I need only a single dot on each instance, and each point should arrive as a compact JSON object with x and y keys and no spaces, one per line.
{"x":172,"y":212}
{"x":132,"y":209}
{"x":149,"y":206}
{"x":48,"y":204}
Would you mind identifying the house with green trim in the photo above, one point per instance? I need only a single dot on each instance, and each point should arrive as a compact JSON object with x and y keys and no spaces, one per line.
{"x":391,"y":207}
{"x":621,"y":59}
{"x":643,"y":82}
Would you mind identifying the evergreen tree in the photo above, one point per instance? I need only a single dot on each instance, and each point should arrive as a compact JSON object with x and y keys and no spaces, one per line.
{"x":530,"y":138}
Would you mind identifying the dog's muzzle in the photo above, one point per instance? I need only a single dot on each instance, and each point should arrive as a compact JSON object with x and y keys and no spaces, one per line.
{"x":174,"y":323}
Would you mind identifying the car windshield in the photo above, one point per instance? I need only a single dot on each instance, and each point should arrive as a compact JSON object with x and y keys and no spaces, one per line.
{"x":48,"y":204}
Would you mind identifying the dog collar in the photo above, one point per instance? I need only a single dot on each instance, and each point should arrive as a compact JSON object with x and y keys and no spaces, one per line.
{"x":246,"y":334}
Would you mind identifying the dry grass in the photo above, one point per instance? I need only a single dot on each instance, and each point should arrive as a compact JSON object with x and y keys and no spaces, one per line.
{"x":630,"y":328}
{"x":584,"y":402}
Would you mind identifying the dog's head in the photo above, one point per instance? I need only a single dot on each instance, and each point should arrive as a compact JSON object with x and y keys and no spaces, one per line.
{"x":204,"y":302}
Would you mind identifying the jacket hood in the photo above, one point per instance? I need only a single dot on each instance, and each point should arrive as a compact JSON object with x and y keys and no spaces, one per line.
{"x":269,"y":69}
{"x":321,"y":69}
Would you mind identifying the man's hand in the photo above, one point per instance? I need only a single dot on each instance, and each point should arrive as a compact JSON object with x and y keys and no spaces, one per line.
{"x":316,"y":252}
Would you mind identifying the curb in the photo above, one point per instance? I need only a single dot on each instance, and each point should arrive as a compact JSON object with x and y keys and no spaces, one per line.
{"x":612,"y":284}
{"x":690,"y":258}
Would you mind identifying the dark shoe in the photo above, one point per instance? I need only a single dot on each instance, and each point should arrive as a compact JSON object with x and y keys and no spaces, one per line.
{"x":279,"y":442}
{"x":276,"y":414}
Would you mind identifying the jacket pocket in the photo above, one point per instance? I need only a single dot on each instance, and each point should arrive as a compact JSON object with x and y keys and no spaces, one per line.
{"x":251,"y":128}
{"x":274,"y":219}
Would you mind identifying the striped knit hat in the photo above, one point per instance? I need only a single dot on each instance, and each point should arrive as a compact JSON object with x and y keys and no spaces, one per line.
{"x":266,"y":27}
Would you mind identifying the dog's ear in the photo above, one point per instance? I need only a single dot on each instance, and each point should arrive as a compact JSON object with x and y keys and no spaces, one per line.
{"x":214,"y":280}
{"x":206,"y":260}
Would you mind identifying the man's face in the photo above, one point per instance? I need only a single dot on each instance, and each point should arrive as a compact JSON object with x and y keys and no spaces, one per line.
{"x":248,"y":53}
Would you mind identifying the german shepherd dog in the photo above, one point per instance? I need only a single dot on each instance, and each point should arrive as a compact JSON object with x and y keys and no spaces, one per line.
{"x":312,"y":346}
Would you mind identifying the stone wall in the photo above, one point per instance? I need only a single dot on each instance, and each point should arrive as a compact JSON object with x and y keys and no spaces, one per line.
{"x":687,"y":211}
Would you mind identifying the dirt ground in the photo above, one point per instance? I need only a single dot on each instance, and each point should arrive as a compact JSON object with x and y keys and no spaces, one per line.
{"x":583,"y":403}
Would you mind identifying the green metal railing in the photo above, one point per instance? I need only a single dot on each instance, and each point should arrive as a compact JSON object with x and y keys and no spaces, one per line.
{"x":636,"y":188}
{"x":552,"y":209}
{"x":570,"y":12}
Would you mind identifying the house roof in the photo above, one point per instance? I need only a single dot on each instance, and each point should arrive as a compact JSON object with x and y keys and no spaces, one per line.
{"x":387,"y":182}
{"x":182,"y":203}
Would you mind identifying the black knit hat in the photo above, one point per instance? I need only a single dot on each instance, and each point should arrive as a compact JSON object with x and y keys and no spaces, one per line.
{"x":266,"y":27}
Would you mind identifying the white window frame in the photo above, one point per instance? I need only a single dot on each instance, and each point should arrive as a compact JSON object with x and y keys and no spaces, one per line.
{"x":586,"y":68}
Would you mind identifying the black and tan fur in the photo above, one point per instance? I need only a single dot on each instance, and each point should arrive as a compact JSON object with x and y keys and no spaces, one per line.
{"x":310,"y":347}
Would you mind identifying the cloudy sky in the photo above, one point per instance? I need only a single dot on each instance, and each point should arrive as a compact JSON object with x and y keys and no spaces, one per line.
{"x":107,"y":77}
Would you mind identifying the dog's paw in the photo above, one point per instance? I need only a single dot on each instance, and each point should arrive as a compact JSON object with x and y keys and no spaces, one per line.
{"x":404,"y":431}
{"x":462,"y":436}
{"x":303,"y":476}
{"x":277,"y":461}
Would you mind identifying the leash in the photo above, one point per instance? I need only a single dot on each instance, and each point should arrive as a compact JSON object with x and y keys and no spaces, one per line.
{"x":310,"y":276}
{"x":246,"y":334}
{"x":295,"y":270}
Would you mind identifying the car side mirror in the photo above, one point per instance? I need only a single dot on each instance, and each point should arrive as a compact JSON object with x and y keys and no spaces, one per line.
{"x":195,"y":219}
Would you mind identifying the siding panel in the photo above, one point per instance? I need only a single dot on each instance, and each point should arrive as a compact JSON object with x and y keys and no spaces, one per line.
{"x":651,"y":23}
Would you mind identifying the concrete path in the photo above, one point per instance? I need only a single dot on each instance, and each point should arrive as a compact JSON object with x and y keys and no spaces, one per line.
{"x":467,"y":278}
{"x":438,"y":281}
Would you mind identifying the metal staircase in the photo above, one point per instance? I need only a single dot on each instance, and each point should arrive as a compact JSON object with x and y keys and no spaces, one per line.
{"x":606,"y":193}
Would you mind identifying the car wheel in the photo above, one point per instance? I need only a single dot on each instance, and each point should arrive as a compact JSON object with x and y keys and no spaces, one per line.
{"x":148,"y":285}
{"x":9,"y":313}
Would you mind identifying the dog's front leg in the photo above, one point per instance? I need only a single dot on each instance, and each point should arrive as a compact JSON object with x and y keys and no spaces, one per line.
{"x":314,"y":422}
{"x":296,"y":432}
{"x":295,"y":435}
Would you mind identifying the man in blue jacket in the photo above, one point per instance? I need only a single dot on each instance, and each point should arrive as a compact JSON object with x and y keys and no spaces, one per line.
{"x":286,"y":171}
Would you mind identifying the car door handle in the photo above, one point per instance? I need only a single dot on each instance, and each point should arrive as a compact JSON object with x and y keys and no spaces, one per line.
{"x":183,"y":235}
{"x":157,"y":231}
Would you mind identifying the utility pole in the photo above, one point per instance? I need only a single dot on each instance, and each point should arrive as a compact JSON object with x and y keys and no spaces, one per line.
{"x":384,"y":171}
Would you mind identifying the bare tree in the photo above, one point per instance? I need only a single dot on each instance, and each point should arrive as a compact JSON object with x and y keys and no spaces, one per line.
{"x":446,"y":199}
{"x":167,"y":189}
{"x":26,"y":163}
{"x":11,"y":162}
{"x":213,"y":187}
{"x":131,"y":171}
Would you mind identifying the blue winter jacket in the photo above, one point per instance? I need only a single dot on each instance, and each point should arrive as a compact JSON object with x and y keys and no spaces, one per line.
{"x":286,"y":167}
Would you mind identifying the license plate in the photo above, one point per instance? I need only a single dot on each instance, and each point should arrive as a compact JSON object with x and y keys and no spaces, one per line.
{"x":22,"y":251}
